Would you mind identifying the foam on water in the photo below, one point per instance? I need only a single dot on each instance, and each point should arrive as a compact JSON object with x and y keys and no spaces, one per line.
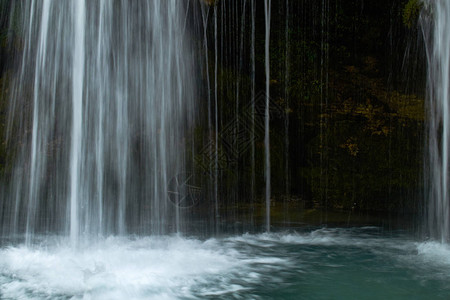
{"x":256,"y":266}
{"x":435,"y":253}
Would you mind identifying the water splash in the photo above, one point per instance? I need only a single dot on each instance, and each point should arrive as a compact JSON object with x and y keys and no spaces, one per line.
{"x":269,"y":265}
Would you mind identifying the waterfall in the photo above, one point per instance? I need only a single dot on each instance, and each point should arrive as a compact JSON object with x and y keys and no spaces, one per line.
{"x":252,"y":108}
{"x":436,"y":33}
{"x":267,"y":174}
{"x":286,"y":107}
{"x":77,"y":115}
{"x":100,"y":105}
{"x":216,"y":122}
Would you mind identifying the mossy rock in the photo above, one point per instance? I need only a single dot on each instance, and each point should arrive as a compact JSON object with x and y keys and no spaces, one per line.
{"x":210,"y":2}
{"x":411,"y":12}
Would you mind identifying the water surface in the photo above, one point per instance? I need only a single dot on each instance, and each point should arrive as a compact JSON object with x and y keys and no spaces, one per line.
{"x":357,"y":263}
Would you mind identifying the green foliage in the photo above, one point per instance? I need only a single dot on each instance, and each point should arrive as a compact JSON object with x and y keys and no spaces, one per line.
{"x":363,"y":151}
{"x":411,"y":12}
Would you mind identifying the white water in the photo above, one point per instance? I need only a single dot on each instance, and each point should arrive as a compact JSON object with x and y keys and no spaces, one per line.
{"x":253,"y":93}
{"x":352,"y":263}
{"x":436,"y":27}
{"x":267,"y":173}
{"x":115,"y":268}
{"x":100,"y":106}
{"x":77,"y":115}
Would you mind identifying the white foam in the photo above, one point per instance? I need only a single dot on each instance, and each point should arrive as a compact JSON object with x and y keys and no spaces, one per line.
{"x":117,"y":268}
{"x":173,"y":267}
{"x":435,"y":252}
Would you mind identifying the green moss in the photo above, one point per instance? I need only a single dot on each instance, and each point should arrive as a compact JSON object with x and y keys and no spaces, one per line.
{"x":411,"y":12}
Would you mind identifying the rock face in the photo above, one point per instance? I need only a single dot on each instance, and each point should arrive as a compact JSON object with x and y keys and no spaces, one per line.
{"x":348,"y":78}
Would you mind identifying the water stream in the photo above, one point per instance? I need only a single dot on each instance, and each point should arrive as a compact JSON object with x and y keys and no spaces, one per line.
{"x":267,"y":168}
{"x":435,"y":25}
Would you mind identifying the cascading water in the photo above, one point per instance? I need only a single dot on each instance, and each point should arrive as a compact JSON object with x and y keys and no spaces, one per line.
{"x":436,"y":26}
{"x":102,"y":100}
{"x":267,"y":169}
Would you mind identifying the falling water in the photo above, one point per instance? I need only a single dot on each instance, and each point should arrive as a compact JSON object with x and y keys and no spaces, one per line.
{"x":267,"y":8}
{"x":324,"y":53}
{"x":436,"y":33}
{"x":287,"y":109}
{"x":100,"y":106}
{"x":216,"y":121}
{"x":252,"y":120}
{"x":77,"y":116}
{"x":205,"y":9}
